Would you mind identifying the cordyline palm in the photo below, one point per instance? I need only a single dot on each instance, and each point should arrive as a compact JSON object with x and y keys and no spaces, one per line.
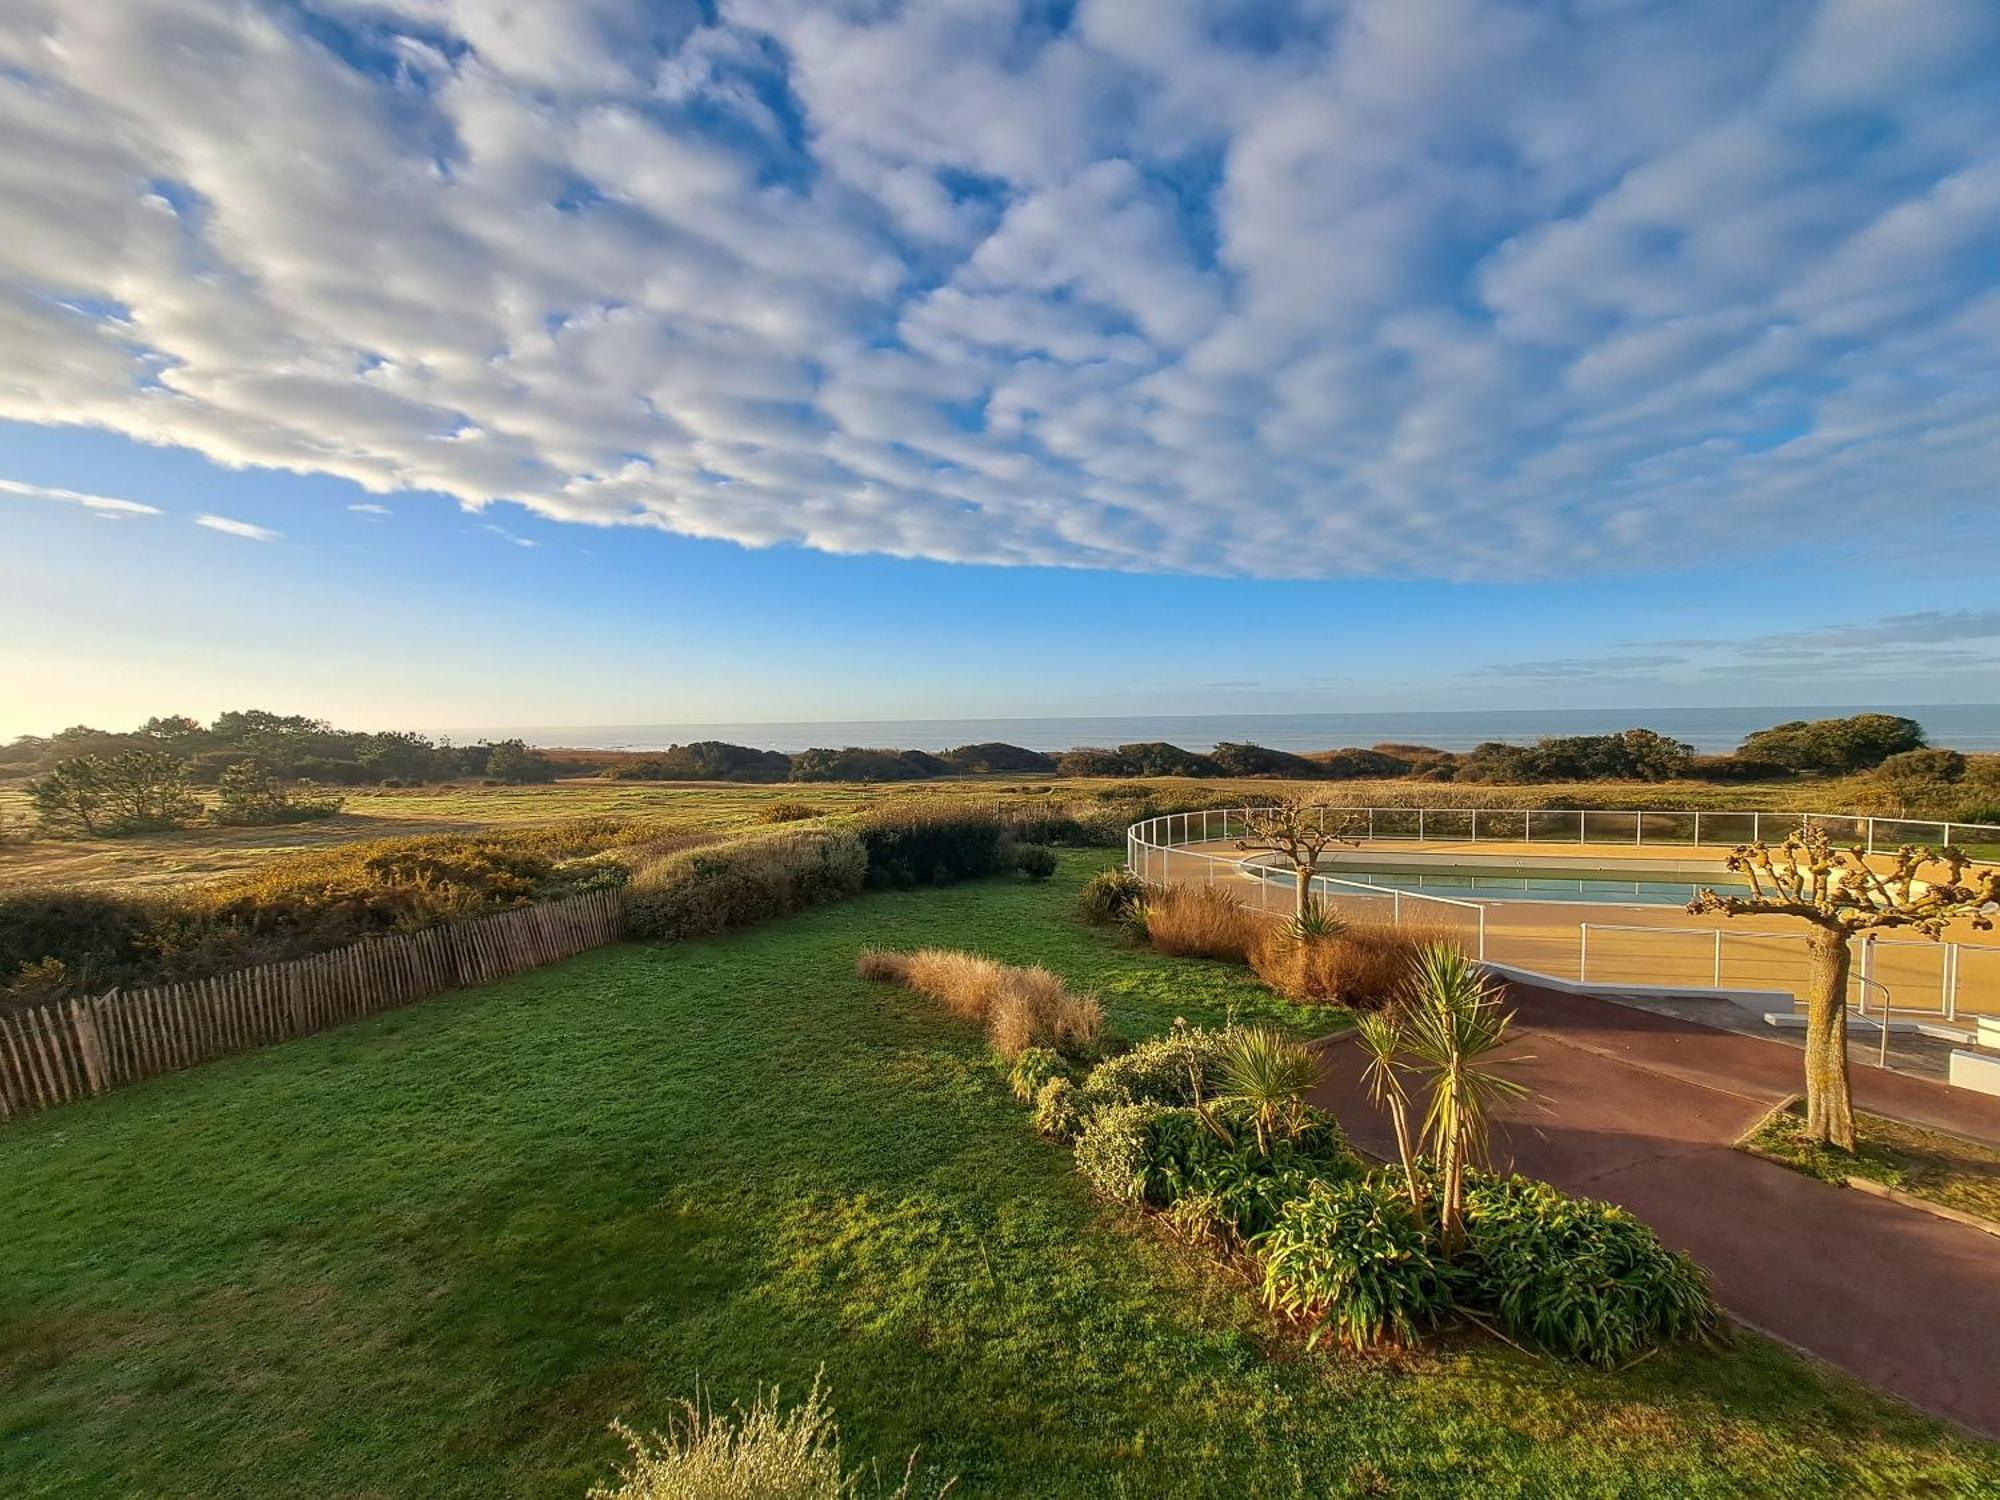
{"x":1381,"y":1036}
{"x":1271,"y":1074}
{"x":1454,"y":1020}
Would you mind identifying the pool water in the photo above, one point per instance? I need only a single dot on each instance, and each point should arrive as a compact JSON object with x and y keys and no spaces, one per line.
{"x":1629,"y":886}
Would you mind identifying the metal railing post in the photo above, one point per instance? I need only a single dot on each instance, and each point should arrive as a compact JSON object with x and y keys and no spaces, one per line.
{"x":1579,"y":825}
{"x":1371,"y":824}
{"x":1396,"y":908}
{"x":1697,"y":828}
{"x":1756,"y":828}
{"x":1420,"y":825}
{"x":1718,"y":958}
{"x":1582,"y":952}
{"x":1871,"y":836}
{"x":1482,"y":934}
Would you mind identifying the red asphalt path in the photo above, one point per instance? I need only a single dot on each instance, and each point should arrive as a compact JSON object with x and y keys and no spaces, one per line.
{"x":1641,"y":1110}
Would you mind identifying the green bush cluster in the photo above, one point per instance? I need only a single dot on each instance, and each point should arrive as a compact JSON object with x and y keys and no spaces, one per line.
{"x":932,"y":841}
{"x":1033,"y":1069}
{"x":1036,"y":861}
{"x":1176,"y":1126}
{"x":1350,"y":1259}
{"x":1111,"y":896}
{"x":697,"y":892}
{"x":1581,"y":1279}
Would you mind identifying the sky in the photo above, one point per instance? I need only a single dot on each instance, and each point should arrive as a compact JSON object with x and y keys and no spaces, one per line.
{"x":444,"y":362}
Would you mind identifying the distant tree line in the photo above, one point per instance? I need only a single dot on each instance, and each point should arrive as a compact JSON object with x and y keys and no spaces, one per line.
{"x":1825,"y":746}
{"x":262,"y":768}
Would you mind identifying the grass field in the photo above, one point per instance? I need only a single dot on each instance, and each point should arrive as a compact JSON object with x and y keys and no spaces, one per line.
{"x":435,"y":1253}
{"x":1945,"y":1169}
{"x":164,"y":860}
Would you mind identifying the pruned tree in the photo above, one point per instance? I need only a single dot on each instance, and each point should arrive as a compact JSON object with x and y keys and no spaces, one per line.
{"x":1838,"y":894}
{"x":1300,"y":831}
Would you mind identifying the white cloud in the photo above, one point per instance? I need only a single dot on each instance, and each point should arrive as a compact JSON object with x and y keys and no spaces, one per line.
{"x":103,"y":505}
{"x":370,"y":508}
{"x":1449,"y":289}
{"x":244,"y":529}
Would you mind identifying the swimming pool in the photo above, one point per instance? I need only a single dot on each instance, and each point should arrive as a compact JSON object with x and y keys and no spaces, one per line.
{"x":1620,"y":885}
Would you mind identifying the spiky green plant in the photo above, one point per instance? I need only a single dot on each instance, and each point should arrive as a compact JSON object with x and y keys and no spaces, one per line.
{"x":1380,"y":1034}
{"x":1270,"y":1074}
{"x":1315,"y":923}
{"x":1453,"y":1027}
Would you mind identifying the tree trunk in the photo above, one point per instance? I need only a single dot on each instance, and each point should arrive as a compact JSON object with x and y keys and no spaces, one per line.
{"x":1451,"y":1202}
{"x":1829,"y":1102}
{"x":1302,"y":896}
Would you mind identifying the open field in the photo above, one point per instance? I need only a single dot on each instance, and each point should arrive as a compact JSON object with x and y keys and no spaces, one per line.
{"x":164,"y":860}
{"x":435,"y":1253}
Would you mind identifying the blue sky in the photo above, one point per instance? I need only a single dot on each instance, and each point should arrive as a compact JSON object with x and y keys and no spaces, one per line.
{"x":775,"y":360}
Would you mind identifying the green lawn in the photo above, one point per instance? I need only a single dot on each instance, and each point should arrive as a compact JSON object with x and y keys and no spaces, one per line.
{"x":434,"y":1254}
{"x":1946,"y":1169}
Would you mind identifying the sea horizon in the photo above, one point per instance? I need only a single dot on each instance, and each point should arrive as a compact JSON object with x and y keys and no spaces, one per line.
{"x":1958,"y":726}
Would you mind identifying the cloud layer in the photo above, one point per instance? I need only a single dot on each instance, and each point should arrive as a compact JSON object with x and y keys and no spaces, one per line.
{"x":1452,"y":289}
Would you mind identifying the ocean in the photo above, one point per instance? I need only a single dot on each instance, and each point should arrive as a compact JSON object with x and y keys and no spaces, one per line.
{"x":1962,"y":726}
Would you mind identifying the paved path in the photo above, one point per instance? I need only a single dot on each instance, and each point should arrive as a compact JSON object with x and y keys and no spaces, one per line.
{"x":1641,"y":1109}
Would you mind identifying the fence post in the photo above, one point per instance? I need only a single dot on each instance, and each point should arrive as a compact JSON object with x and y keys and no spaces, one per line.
{"x":1697,"y":828}
{"x":1420,"y":825}
{"x":1756,"y":828}
{"x":1482,"y":934}
{"x":1371,"y":822}
{"x":1396,"y":908}
{"x":88,"y":1044}
{"x":1868,"y":978}
{"x":1579,"y":825}
{"x":1582,"y":952}
{"x":1718,"y":958}
{"x":1871,"y":835}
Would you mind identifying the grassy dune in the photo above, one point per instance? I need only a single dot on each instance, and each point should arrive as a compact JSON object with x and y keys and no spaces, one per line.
{"x":166,"y":859}
{"x":437,"y":1252}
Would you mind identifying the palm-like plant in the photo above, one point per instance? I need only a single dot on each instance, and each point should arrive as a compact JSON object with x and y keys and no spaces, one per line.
{"x":1454,"y":1022}
{"x":1315,"y":922}
{"x":1271,"y":1074}
{"x":1380,"y":1033}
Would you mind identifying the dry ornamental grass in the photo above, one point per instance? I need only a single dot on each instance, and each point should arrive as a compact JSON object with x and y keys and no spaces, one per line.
{"x":1019,"y":1007}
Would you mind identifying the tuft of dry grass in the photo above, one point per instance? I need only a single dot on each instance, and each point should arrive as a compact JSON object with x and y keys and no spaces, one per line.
{"x":884,"y":965}
{"x":1199,"y":921}
{"x":1365,"y":966}
{"x":1019,"y":1007}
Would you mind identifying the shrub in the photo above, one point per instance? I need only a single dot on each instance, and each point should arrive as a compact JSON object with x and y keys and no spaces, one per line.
{"x":1581,"y":1279}
{"x":1350,"y":1259}
{"x":706,"y":760}
{"x":1088,"y":760}
{"x":249,"y":796}
{"x":1199,"y":921}
{"x":758,"y":1454}
{"x":1158,"y":758}
{"x":1115,"y":1147}
{"x":710,"y":890}
{"x":1256,"y":760}
{"x":1034,"y":1067}
{"x":1736,"y":768}
{"x":1111,"y":895}
{"x":1178,"y":1068}
{"x":858,"y":764}
{"x":1058,"y":1113}
{"x":1035,"y":861}
{"x":1358,"y":765}
{"x":1210,"y":1158}
{"x":923,"y":841}
{"x":994,"y":756}
{"x":1856,"y":743}
{"x":788,"y":811}
{"x":1363,"y":967}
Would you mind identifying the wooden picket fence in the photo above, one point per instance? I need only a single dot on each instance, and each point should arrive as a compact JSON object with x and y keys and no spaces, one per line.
{"x":62,"y":1050}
